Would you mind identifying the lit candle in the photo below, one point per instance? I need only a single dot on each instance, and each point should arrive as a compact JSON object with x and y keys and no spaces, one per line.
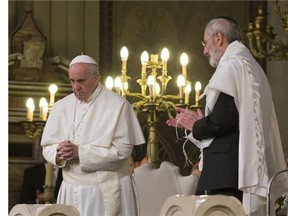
{"x":118,"y":85}
{"x":164,"y":57}
{"x":52,"y":89}
{"x":109,"y":83}
{"x":42,"y":103}
{"x":150,"y":83}
{"x":181,"y":84}
{"x":45,"y":112}
{"x":49,"y":175}
{"x":187,"y":91}
{"x":144,"y":61}
{"x":197,"y":92}
{"x":158,"y":89}
{"x":124,"y":56}
{"x":124,"y":88}
{"x":30,"y":109}
{"x":184,"y":62}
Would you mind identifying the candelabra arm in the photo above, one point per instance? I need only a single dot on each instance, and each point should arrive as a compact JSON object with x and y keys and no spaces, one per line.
{"x":137,"y":106}
{"x":171,"y":97}
{"x":143,"y":83}
{"x":168,"y":106}
{"x":137,"y":95}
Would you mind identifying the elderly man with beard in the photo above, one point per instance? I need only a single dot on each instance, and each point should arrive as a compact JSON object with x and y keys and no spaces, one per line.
{"x":238,"y":136}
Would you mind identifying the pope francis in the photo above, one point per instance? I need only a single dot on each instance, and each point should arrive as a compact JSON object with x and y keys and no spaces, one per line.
{"x":90,"y":134}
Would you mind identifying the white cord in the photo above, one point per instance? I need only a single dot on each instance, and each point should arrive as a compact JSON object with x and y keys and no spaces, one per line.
{"x":183,"y":147}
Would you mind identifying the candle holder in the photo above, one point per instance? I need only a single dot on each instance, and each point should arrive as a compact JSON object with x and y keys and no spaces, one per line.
{"x":33,"y":129}
{"x":262,"y":41}
{"x":157,"y":101}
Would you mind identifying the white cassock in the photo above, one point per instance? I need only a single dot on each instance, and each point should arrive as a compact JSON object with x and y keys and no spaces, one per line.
{"x":105,"y":128}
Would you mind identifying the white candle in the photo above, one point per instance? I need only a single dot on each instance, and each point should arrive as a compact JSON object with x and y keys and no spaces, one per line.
{"x":42,"y":103}
{"x":150,"y":83}
{"x":164,"y":57}
{"x":184,"y":62}
{"x":180,"y":84}
{"x":124,"y":88}
{"x":144,"y":61}
{"x":52,"y":89}
{"x":30,"y":109}
{"x":158,"y":89}
{"x":109,"y":83}
{"x":197,"y":92}
{"x":118,"y":85}
{"x":45,"y":112}
{"x":187,"y":91}
{"x":124,"y":57}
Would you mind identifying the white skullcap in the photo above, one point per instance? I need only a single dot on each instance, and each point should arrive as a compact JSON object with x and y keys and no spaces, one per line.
{"x":83,"y":59}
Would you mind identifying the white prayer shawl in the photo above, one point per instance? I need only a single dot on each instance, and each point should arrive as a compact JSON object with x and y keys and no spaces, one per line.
{"x":260,"y":149}
{"x":105,"y":130}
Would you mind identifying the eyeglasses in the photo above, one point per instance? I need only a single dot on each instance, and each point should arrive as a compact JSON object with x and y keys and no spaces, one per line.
{"x":204,"y":43}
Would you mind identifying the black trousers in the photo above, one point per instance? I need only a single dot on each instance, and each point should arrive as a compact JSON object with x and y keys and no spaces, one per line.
{"x":223,"y":191}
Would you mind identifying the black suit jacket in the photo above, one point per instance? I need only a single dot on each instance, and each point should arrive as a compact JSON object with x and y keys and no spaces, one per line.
{"x":33,"y":180}
{"x":220,"y":159}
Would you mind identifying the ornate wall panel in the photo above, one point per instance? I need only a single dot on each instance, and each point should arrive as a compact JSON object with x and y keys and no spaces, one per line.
{"x":71,"y":27}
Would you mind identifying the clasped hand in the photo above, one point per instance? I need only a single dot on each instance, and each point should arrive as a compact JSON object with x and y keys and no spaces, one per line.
{"x":67,"y":151}
{"x":185,"y":118}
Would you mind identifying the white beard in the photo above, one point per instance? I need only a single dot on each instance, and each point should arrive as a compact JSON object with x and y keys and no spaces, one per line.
{"x":214,"y":57}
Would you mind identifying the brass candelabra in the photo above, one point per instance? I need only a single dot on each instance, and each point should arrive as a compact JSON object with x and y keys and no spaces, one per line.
{"x":262,"y":40}
{"x":157,"y":101}
{"x":34,"y":129}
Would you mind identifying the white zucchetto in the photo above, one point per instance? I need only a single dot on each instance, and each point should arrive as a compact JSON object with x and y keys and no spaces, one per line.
{"x":83,"y":59}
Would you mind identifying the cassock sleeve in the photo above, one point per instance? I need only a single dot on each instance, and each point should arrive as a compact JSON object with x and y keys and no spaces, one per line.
{"x":98,"y":158}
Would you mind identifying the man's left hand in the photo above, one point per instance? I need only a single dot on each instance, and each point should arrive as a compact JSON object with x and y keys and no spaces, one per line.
{"x":67,"y":151}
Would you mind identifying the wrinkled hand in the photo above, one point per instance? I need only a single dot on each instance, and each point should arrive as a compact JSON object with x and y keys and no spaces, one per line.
{"x":185,"y":118}
{"x":67,"y":151}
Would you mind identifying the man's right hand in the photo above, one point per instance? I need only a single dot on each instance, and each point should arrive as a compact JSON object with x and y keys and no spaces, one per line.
{"x":185,"y":118}
{"x":67,"y":151}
